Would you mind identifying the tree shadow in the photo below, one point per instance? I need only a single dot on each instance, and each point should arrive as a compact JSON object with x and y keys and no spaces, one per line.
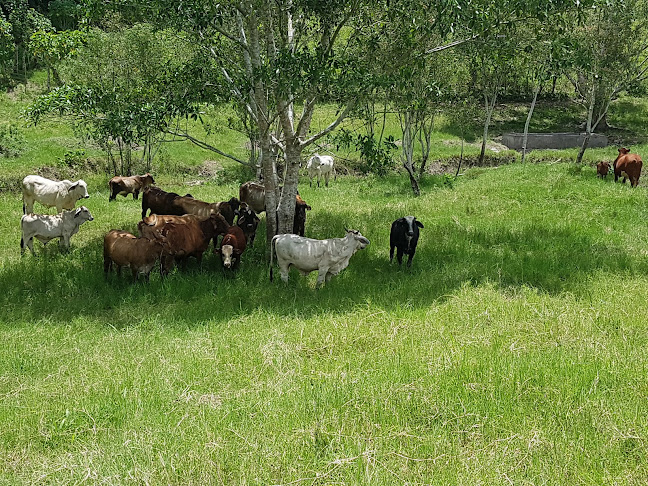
{"x":61,"y":287}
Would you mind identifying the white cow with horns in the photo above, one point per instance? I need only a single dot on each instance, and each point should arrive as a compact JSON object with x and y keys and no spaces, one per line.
{"x":63,"y":194}
{"x":320,"y":166}
{"x":329,"y":257}
{"x":45,"y":227}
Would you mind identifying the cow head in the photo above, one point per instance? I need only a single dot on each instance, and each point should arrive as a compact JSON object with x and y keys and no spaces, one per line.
{"x":234,"y":203}
{"x":80,"y":188}
{"x":247,"y":219}
{"x":83,"y":214}
{"x":623,"y":151}
{"x":148,"y":179}
{"x":229,"y":255}
{"x":357,"y":236}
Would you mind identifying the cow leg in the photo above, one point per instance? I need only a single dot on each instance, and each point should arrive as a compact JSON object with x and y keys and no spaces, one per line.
{"x":322,"y":276}
{"x":409,"y":259}
{"x":135,"y":273}
{"x":399,"y":256}
{"x":135,"y":194}
{"x":107,"y":265}
{"x":326,"y":178}
{"x":391,"y":253}
{"x":284,"y":269}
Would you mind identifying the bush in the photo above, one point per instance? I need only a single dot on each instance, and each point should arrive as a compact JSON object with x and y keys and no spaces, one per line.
{"x":12,"y":141}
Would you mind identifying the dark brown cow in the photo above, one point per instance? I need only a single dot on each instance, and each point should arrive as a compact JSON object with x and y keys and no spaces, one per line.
{"x":126,"y":250}
{"x":232,"y":247}
{"x":253,"y":194}
{"x":129,"y":185}
{"x":602,"y":169}
{"x":161,"y":202}
{"x":299,"y":223}
{"x":185,"y":235}
{"x":627,"y":165}
{"x":248,"y":222}
{"x":229,"y":209}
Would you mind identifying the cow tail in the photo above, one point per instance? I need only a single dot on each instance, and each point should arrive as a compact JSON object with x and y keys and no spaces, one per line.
{"x":272,"y":246}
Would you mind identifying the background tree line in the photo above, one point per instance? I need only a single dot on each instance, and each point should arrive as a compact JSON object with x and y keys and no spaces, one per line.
{"x":132,"y":74}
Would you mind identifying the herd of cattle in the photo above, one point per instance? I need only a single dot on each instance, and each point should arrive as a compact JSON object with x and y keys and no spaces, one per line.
{"x":178,"y":227}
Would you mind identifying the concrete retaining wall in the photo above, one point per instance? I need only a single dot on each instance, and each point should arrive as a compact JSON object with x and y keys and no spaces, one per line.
{"x":552,"y":140}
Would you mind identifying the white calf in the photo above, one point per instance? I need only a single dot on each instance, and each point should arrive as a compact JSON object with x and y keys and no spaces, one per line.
{"x":63,"y":194}
{"x":329,"y":257}
{"x":320,"y":166}
{"x":45,"y":227}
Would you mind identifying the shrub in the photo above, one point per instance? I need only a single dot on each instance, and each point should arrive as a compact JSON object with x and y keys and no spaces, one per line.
{"x":12,"y":141}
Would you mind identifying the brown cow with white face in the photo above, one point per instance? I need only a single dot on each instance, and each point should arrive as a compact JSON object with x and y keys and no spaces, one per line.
{"x":232,"y":247}
{"x":627,"y":165}
{"x":125,"y":185}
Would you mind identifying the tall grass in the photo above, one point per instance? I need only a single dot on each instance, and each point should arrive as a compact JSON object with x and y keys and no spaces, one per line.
{"x":513,"y":350}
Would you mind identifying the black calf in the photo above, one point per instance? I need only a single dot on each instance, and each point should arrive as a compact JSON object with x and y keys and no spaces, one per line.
{"x":404,"y":237}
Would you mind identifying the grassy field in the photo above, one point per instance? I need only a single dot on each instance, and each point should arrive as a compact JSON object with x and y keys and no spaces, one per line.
{"x":512,"y":352}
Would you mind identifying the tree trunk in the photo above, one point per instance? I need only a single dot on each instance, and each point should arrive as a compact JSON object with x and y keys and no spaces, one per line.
{"x":490,"y":106}
{"x":536,"y":91}
{"x":588,"y":128}
{"x":286,"y":209}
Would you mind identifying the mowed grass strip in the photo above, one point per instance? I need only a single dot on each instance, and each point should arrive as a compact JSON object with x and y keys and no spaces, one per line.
{"x":513,"y":350}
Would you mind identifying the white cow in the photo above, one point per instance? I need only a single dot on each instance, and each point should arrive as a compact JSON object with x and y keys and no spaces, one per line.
{"x":63,"y":194}
{"x":45,"y":227}
{"x":329,"y":257}
{"x":320,"y":166}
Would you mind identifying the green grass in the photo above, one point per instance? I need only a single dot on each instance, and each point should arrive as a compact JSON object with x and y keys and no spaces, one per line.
{"x":512,"y":351}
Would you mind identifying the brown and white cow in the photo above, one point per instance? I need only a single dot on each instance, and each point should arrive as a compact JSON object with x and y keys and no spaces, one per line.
{"x":126,"y":250}
{"x":329,"y":257}
{"x":185,"y":235}
{"x":627,"y":165}
{"x":125,"y":185}
{"x":62,"y":194}
{"x":232,"y":247}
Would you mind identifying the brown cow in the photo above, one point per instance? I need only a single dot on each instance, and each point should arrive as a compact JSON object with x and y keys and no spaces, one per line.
{"x":126,"y":250}
{"x":186,"y":235}
{"x":129,"y":185}
{"x":232,"y":246}
{"x":299,"y":222}
{"x":602,"y":169}
{"x":161,"y":202}
{"x":229,"y":209}
{"x":627,"y":165}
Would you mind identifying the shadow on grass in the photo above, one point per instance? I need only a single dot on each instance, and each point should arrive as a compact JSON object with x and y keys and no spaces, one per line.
{"x":61,"y":287}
